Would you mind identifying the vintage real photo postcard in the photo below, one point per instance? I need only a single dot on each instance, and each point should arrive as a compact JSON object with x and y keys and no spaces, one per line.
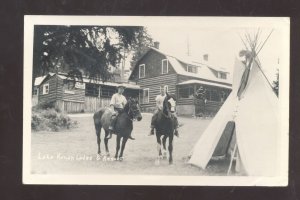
{"x":120,"y":100}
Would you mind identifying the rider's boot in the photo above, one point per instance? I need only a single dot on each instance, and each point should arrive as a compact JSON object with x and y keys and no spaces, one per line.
{"x":111,"y":130}
{"x":130,"y":137}
{"x":176,"y":132}
{"x":151,"y":131}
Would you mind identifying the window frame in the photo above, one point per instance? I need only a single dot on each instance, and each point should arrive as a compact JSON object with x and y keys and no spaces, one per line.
{"x":223,"y":75}
{"x":162,"y":66}
{"x":107,"y":92}
{"x":142,"y":65}
{"x":146,"y":89}
{"x":92,"y":90}
{"x":192,"y":67}
{"x":190,"y":92}
{"x":45,"y":91}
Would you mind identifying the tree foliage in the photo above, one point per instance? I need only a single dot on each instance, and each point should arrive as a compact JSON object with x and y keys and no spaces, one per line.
{"x":84,"y":50}
{"x":140,"y":48}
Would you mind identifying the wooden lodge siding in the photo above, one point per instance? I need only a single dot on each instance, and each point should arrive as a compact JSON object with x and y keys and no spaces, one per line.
{"x":77,"y":96}
{"x":154,"y":85}
{"x":185,"y":101}
{"x":55,"y":90}
{"x":154,"y":78}
{"x":153,"y":66}
{"x":92,"y":104}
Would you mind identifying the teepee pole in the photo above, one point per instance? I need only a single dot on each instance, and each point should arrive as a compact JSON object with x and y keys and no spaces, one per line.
{"x":265,"y":41}
{"x":232,"y":158}
{"x":256,"y":55}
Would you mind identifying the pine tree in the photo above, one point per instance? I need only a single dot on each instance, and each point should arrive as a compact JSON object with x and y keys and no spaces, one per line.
{"x":83,"y":50}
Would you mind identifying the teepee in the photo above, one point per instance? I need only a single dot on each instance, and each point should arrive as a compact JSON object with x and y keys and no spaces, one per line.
{"x":253,"y":107}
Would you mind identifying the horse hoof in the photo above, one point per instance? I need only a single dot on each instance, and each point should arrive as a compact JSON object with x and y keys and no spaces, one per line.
{"x":110,"y":159}
{"x":164,"y":155}
{"x":157,"y":162}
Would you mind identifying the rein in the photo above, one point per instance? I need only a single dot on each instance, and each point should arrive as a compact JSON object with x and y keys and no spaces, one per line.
{"x":131,"y":113}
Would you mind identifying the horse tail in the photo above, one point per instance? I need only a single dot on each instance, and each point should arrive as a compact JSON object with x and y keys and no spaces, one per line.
{"x":97,"y":118}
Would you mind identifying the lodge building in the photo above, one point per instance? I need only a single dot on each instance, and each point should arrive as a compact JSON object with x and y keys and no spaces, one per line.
{"x":182,"y":77}
{"x":77,"y":96}
{"x":154,"y":71}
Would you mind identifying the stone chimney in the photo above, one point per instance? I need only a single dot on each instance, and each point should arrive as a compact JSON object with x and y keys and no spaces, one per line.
{"x":205,"y":57}
{"x":156,"y":44}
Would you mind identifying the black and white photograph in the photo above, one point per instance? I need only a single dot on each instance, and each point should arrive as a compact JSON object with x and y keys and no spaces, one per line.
{"x":188,"y":101}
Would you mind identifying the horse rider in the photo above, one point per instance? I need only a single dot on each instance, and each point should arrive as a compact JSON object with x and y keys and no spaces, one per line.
{"x":159,"y":107}
{"x":117,"y":103}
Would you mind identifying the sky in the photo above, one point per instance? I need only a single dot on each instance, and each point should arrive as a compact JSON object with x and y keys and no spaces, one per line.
{"x":222,"y":44}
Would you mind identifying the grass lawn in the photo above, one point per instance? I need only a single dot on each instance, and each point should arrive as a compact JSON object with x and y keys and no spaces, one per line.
{"x":75,"y":151}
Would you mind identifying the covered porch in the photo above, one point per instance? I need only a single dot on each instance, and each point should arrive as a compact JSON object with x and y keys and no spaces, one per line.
{"x":188,"y":105}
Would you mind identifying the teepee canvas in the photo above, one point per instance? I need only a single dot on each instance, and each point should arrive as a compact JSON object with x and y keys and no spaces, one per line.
{"x":253,"y":106}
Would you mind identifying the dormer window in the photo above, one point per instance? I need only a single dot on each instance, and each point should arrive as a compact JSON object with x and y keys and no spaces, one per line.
{"x":192,"y":69}
{"x":142,"y":71}
{"x":222,"y":75}
{"x":164,"y":66}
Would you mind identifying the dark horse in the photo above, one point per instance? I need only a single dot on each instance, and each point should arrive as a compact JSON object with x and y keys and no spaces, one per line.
{"x":165,"y":127}
{"x":123,"y":125}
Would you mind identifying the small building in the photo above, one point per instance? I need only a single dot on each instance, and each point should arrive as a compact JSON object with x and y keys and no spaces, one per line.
{"x":79,"y":96}
{"x":182,"y":77}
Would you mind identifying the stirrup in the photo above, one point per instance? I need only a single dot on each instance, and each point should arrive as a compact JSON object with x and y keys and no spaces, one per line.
{"x":130,"y":137}
{"x":151,"y":132}
{"x":176,"y":133}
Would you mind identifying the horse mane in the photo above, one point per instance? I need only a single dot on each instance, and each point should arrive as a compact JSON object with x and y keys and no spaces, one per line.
{"x":126,"y":107}
{"x":166,"y":105}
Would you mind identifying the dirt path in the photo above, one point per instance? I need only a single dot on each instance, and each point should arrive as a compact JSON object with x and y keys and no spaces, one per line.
{"x":75,"y":151}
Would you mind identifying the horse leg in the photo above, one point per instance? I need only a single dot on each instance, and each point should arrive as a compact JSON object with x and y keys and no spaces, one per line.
{"x":122,"y":148}
{"x":164,"y":147}
{"x":98,"y":132}
{"x":170,"y":149}
{"x":106,"y":142}
{"x":157,"y":162}
{"x":118,"y":146}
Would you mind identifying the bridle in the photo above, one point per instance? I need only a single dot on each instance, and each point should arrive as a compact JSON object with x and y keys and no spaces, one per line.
{"x":166,"y":108}
{"x":132,"y":113}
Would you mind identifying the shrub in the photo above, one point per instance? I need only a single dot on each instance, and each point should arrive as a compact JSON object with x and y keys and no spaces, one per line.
{"x":44,"y":105}
{"x":50,"y":120}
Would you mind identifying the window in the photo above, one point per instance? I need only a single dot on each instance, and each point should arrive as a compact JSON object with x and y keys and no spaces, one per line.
{"x":69,"y":85}
{"x":222,"y":75}
{"x":142,"y":71}
{"x":146,"y":95}
{"x":46,"y":88}
{"x":92,"y":90}
{"x":213,"y":95}
{"x":192,"y":69}
{"x":35,"y":91}
{"x":164,"y":66}
{"x":186,"y":92}
{"x":107,"y":92}
{"x":166,"y":88}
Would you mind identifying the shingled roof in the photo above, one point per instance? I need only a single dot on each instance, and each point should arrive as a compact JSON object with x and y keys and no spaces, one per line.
{"x":204,"y":67}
